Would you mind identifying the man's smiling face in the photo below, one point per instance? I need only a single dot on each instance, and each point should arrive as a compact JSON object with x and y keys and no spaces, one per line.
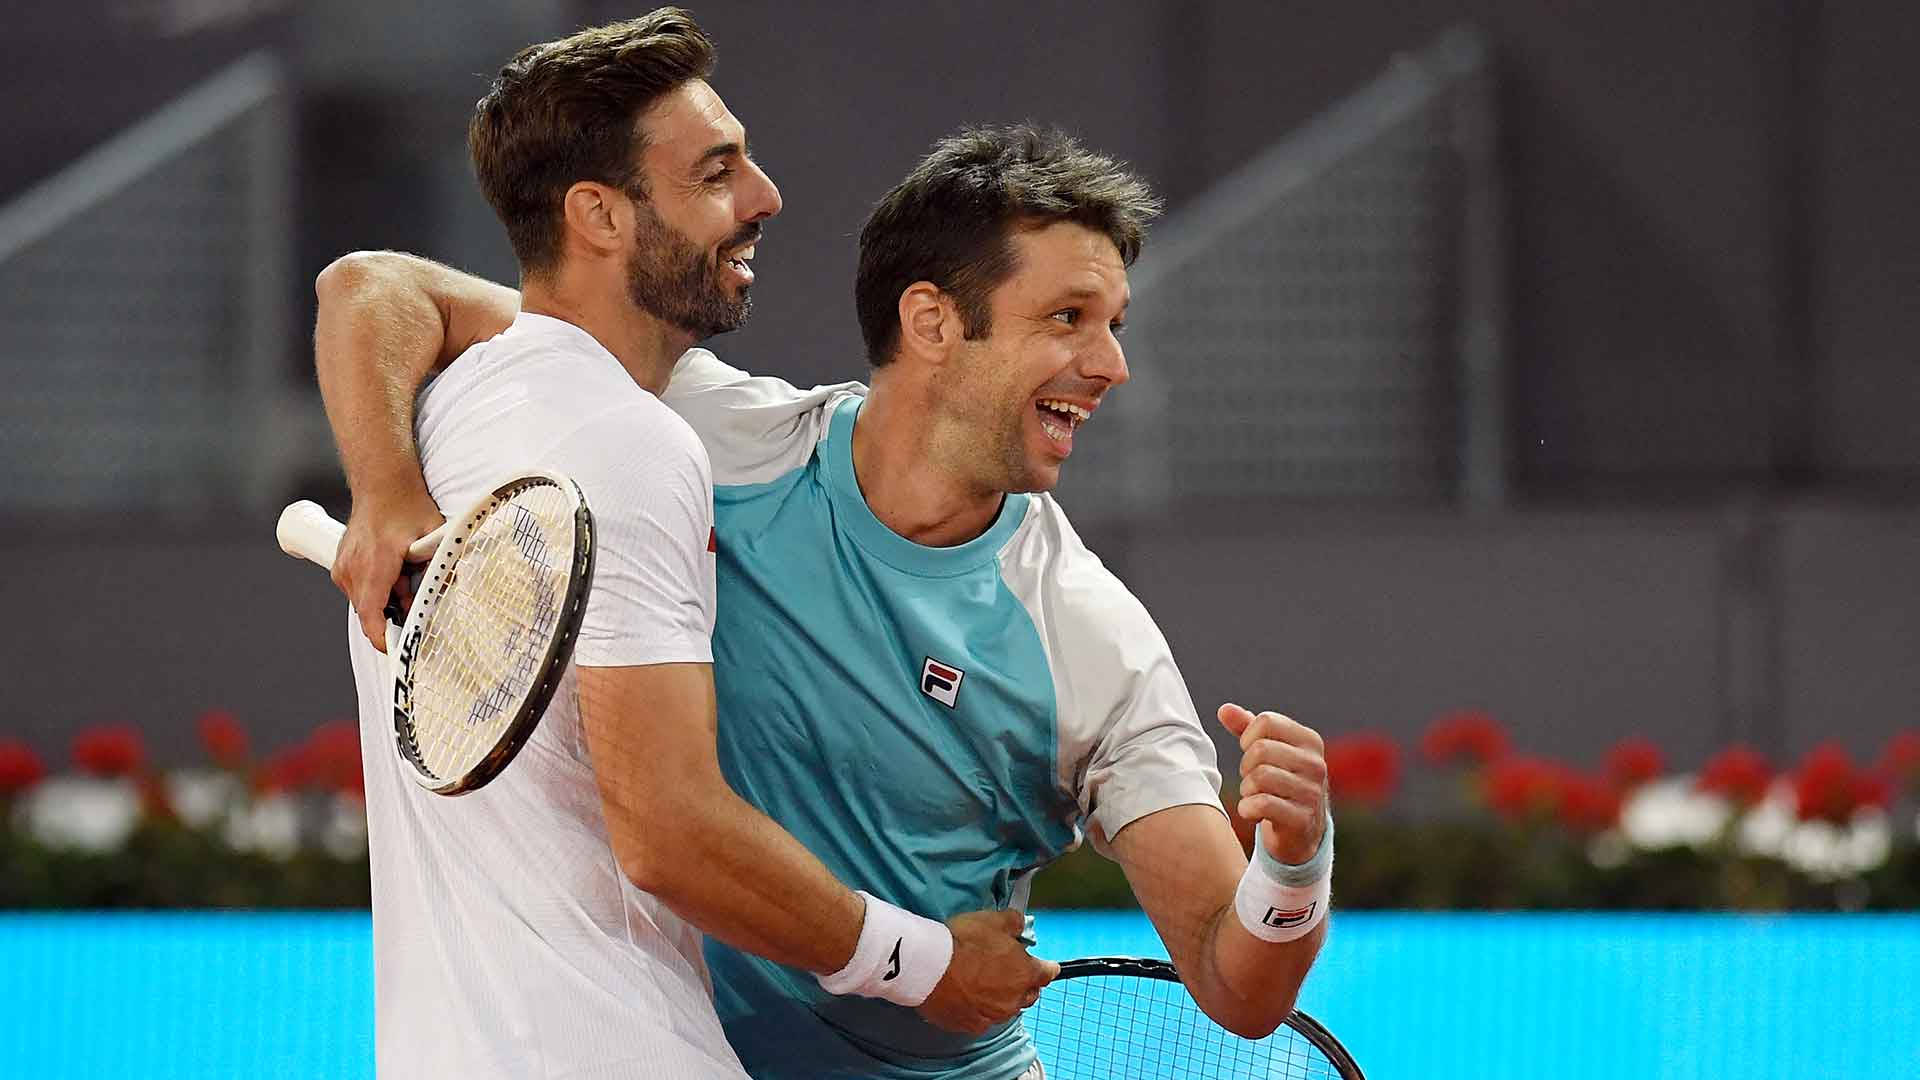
{"x":1051,"y":354}
{"x":697,"y":210}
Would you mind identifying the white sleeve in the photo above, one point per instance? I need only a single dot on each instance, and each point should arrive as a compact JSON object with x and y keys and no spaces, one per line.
{"x":1151,"y":752}
{"x":756,"y":428}
{"x":647,"y":485}
{"x":1130,"y":743}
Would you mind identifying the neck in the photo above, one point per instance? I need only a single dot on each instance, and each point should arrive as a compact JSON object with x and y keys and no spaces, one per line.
{"x":647,"y":347}
{"x":899,"y":460}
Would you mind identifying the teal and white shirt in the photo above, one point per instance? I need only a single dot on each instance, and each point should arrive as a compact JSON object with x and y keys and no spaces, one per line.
{"x":934,"y":723}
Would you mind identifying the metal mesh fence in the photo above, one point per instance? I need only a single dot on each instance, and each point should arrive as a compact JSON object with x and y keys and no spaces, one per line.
{"x":1300,"y":330}
{"x":141,"y":306}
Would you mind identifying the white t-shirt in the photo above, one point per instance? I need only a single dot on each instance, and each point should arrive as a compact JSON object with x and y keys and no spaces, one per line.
{"x":507,"y":941}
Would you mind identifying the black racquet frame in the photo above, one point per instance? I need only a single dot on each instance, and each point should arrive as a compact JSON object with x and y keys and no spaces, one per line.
{"x":573,"y":610}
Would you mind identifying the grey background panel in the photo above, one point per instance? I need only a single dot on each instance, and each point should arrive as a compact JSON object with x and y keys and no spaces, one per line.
{"x":1573,"y":630}
{"x":1850,"y":624}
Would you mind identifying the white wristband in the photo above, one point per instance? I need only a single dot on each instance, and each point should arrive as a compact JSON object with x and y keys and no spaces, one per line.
{"x":1279,"y":902}
{"x":900,"y":956}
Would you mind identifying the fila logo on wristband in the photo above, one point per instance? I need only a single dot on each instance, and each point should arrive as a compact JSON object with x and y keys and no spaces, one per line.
{"x":1283,"y":920}
{"x":1281,"y":902}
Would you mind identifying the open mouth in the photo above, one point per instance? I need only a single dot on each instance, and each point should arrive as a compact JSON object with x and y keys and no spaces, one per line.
{"x":1059,"y":419}
{"x":737,"y":262}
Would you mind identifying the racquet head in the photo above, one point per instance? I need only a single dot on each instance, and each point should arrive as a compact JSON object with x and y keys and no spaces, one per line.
{"x":491,"y":627}
{"x":1121,"y":1018}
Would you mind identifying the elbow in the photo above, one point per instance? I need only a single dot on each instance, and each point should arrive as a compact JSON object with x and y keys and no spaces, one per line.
{"x":643,"y":871}
{"x":1254,"y":1019}
{"x":649,"y":866}
{"x":1257,"y":1027}
{"x":351,"y":274}
{"x":652,"y":853}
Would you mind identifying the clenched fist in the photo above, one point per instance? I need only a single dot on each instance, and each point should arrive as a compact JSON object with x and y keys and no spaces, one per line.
{"x":991,"y":977}
{"x":1283,"y":780}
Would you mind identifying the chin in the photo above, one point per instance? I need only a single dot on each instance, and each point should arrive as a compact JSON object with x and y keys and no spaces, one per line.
{"x":1038,"y":480}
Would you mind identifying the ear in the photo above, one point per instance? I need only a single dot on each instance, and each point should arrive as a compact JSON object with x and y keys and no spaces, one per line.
{"x":593,"y":215}
{"x":929,"y":325}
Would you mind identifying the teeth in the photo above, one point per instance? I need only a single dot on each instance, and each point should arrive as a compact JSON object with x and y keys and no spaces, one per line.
{"x":744,"y":254}
{"x":1067,"y":407}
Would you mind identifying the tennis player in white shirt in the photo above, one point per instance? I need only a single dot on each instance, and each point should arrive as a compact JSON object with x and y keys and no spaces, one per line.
{"x":549,"y":924}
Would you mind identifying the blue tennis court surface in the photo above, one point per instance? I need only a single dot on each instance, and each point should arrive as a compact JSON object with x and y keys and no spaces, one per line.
{"x":1425,"y":996}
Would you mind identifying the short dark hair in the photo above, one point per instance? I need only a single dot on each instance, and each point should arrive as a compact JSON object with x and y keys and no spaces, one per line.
{"x":951,"y":221}
{"x":567,"y":110}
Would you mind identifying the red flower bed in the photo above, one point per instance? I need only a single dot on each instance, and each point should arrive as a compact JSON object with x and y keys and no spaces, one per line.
{"x":1470,"y":735}
{"x":1363,"y":769}
{"x":109,"y":751}
{"x":1585,"y":803}
{"x":1634,"y":761}
{"x":1738,"y":774}
{"x":328,"y":760}
{"x":1900,"y":761}
{"x":223,"y":737}
{"x":1518,"y":787}
{"x":20,"y":767}
{"x":1827,"y":786}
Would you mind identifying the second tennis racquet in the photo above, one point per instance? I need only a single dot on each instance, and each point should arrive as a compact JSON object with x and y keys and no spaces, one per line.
{"x":1121,"y":1018}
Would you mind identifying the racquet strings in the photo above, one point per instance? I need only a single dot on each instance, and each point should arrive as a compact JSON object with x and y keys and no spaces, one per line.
{"x":1124,"y":1027}
{"x":485,"y":643}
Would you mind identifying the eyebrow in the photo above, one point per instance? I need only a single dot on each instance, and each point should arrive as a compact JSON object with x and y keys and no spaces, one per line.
{"x":1082,"y":292}
{"x":720,"y":150}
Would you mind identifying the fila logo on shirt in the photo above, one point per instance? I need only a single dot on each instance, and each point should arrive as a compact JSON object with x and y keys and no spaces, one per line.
{"x":941,"y":682}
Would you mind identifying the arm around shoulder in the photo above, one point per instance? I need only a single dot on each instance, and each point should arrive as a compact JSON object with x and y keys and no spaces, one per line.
{"x":386,"y":322}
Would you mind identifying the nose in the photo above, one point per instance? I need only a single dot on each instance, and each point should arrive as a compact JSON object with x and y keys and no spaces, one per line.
{"x":1106,"y":360}
{"x":761,"y":198}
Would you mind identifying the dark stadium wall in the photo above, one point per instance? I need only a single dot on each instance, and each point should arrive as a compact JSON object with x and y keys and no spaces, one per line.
{"x":1713,"y":241}
{"x":1864,"y":249}
{"x":74,"y":73}
{"x":1711,"y":252}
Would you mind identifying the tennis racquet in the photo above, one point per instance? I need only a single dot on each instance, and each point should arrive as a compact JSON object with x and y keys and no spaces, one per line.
{"x":491,"y":626}
{"x":1120,"y":1018}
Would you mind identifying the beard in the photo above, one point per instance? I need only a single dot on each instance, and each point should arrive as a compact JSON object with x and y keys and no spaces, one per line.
{"x":673,"y":280}
{"x":993,"y":455}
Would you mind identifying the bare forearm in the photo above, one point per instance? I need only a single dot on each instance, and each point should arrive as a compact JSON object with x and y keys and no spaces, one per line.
{"x":753,"y":885}
{"x":374,"y":345}
{"x":1253,"y":983}
{"x":1185,"y":866}
{"x":681,"y":833}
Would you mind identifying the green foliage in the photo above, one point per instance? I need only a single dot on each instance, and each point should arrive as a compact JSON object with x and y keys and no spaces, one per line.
{"x":1492,"y":864}
{"x":167,"y":865}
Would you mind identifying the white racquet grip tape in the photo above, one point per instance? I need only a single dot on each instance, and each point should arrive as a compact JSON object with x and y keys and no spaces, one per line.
{"x":308,"y":532}
{"x":901,"y":956}
{"x":1279,"y":901}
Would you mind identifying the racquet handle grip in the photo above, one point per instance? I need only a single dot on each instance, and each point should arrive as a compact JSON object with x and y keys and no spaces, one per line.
{"x":308,"y":532}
